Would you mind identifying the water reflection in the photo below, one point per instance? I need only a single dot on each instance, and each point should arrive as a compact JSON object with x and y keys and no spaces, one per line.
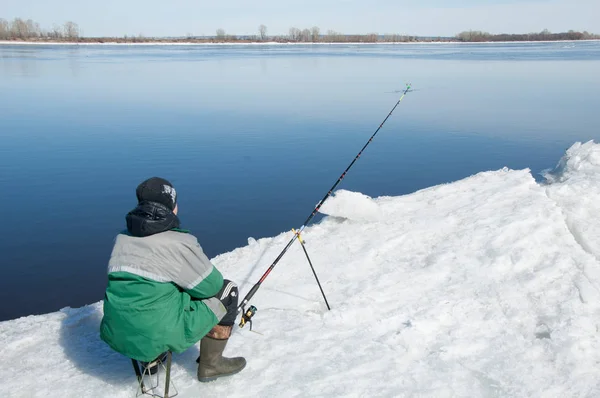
{"x":253,"y":135}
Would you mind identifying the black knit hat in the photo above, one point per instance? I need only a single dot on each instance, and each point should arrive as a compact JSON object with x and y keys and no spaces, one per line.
{"x":159,"y":190}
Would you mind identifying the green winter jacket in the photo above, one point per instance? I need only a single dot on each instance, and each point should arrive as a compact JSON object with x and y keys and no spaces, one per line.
{"x":159,"y":294}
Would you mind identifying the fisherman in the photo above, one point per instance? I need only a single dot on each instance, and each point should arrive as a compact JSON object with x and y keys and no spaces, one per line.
{"x":163,"y":293}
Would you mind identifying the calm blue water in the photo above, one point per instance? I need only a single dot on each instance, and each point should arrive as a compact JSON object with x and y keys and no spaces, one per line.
{"x":253,"y":137}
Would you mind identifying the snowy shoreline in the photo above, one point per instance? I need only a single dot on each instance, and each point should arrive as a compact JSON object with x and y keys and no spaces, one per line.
{"x":108,"y":43}
{"x":486,"y":286}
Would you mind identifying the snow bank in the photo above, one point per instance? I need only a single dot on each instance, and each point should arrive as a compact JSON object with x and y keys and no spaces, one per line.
{"x":476,"y":288}
{"x":575,"y":186}
{"x":351,"y":205}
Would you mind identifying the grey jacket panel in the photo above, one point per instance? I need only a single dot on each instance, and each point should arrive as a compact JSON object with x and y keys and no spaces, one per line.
{"x":164,"y":257}
{"x":216,"y":306}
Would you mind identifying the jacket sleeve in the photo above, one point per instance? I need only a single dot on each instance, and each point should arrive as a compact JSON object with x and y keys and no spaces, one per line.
{"x":207,"y":287}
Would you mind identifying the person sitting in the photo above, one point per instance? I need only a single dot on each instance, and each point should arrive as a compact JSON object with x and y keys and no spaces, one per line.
{"x":163,"y":293}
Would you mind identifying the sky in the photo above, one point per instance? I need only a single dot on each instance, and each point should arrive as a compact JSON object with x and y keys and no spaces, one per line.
{"x":241,"y":17}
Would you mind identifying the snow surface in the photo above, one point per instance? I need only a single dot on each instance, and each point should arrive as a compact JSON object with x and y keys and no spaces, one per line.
{"x":485,"y":287}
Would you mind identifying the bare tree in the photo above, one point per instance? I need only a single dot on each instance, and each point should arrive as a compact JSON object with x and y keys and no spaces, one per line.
{"x":220,"y":34}
{"x":305,"y":35}
{"x":314,"y":33}
{"x":71,"y":30}
{"x":262,"y":31}
{"x":334,"y":36}
{"x":57,"y":31}
{"x":19,"y":29}
{"x":4,"y":29}
{"x":295,"y":34}
{"x":465,"y":36}
{"x":473,"y":35}
{"x":545,"y":34}
{"x":392,"y":37}
{"x":33,"y":29}
{"x":372,"y":37}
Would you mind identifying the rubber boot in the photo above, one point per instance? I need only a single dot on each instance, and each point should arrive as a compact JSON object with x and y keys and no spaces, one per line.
{"x":211,"y":363}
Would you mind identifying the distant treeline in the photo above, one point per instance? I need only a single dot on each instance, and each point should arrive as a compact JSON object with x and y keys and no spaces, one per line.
{"x":29,"y":30}
{"x":545,"y":35}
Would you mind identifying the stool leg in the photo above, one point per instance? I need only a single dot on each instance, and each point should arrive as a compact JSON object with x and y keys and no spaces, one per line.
{"x":138,"y":373}
{"x":168,"y":376}
{"x":140,"y":376}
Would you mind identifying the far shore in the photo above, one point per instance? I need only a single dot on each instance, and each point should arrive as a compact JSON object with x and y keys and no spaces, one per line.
{"x":267,"y":43}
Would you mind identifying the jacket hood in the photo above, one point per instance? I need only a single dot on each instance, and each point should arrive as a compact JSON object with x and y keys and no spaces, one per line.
{"x":149,"y":218}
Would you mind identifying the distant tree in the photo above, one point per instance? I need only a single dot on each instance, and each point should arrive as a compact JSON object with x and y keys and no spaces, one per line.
{"x":19,"y":29}
{"x":372,"y":37}
{"x":294,"y":34}
{"x":314,"y":32}
{"x":333,"y":36}
{"x":305,"y":35}
{"x":393,"y":37}
{"x":38,"y":29}
{"x":33,"y":29}
{"x":4,"y":29}
{"x":220,"y":34}
{"x":545,"y":35}
{"x":57,"y":31}
{"x":71,"y":30}
{"x":474,"y":35}
{"x":464,"y":36}
{"x":572,"y":35}
{"x":262,"y":32}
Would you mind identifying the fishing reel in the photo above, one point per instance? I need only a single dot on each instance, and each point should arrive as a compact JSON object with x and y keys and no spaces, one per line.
{"x":247,"y":316}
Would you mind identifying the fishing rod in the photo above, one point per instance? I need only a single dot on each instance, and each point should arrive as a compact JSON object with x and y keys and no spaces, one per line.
{"x":248,"y":314}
